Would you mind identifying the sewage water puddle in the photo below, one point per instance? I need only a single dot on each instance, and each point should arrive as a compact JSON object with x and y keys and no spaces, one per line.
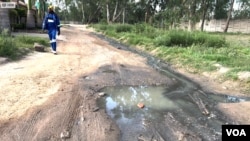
{"x":165,"y":115}
{"x":181,"y":113}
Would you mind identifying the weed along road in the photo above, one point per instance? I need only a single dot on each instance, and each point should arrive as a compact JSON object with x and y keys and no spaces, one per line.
{"x":90,"y":91}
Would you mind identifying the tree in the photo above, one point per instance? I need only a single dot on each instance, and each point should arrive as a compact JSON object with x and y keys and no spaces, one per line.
{"x":244,"y":11}
{"x":92,"y":10}
{"x":119,"y":8}
{"x":135,"y":13}
{"x":205,"y":6}
{"x":221,"y":9}
{"x":192,"y":15}
{"x":170,"y":13}
{"x":166,"y":12}
{"x":229,"y":15}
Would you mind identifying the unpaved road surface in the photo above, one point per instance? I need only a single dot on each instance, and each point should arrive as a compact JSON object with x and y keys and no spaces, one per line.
{"x":53,"y":97}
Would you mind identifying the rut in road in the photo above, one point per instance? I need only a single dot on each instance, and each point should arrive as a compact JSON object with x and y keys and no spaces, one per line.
{"x":83,"y":66}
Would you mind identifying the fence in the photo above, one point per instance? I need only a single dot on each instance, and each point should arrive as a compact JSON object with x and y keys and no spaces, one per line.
{"x":235,"y":26}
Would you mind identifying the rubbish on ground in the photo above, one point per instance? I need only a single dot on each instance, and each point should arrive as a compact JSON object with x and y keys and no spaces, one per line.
{"x":140,"y":105}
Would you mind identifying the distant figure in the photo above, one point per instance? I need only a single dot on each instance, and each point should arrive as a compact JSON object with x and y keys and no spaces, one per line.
{"x":51,"y":23}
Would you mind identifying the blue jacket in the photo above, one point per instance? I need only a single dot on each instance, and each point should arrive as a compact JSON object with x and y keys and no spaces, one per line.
{"x":51,"y":22}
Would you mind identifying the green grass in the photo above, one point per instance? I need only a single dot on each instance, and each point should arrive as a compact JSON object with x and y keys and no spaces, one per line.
{"x":8,"y":47}
{"x":198,"y":50}
{"x":17,"y":47}
{"x":28,"y":42}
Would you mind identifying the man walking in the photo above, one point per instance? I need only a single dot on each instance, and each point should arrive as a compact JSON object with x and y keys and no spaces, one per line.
{"x":51,"y":23}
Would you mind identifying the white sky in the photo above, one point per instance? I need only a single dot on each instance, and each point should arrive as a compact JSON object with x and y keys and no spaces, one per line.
{"x":236,"y":6}
{"x":53,"y":1}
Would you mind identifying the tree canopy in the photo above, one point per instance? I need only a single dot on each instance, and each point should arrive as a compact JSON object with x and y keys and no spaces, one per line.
{"x":156,"y":12}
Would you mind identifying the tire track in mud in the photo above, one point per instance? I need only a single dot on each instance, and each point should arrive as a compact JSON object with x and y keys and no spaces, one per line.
{"x":57,"y":119}
{"x":44,"y":122}
{"x":71,"y":113}
{"x":47,"y":122}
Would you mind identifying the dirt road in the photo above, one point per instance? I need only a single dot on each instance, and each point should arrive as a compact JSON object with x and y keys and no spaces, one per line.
{"x":53,"y":97}
{"x":46,"y":95}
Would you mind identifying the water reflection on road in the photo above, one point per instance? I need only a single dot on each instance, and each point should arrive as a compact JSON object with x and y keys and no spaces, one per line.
{"x":160,"y":104}
{"x":182,"y":112}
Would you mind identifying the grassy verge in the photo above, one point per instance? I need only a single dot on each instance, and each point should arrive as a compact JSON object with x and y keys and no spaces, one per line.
{"x":16,"y":47}
{"x":200,"y":51}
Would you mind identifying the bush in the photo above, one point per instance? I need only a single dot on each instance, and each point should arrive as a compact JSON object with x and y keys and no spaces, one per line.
{"x":139,"y":28}
{"x":26,"y":39}
{"x":163,"y":40}
{"x":185,"y":39}
{"x":15,"y":47}
{"x":8,"y":47}
{"x":13,"y":13}
{"x":4,"y":33}
{"x":103,"y":27}
{"x":215,"y":41}
{"x":22,"y":12}
{"x":31,"y":40}
{"x":181,"y":38}
{"x":18,"y":26}
{"x":123,"y":28}
{"x":146,"y":34}
{"x":139,"y":40}
{"x":146,"y":30}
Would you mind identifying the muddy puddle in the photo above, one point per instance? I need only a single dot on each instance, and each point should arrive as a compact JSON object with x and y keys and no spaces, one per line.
{"x":165,"y":115}
{"x":183,"y":112}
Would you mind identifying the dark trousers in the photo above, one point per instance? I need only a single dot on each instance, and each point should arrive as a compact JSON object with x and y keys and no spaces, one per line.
{"x":52,"y":37}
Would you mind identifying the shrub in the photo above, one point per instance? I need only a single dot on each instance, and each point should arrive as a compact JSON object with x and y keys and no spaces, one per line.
{"x":146,"y":30}
{"x":181,"y":38}
{"x":13,"y":13}
{"x":215,"y":41}
{"x":141,"y":40}
{"x":185,"y":39}
{"x":18,"y":26}
{"x":200,"y":38}
{"x":26,"y":39}
{"x":31,"y":40}
{"x":8,"y":47}
{"x":162,"y":40}
{"x":139,"y":28}
{"x":103,"y":27}
{"x":22,"y":12}
{"x":123,"y":28}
